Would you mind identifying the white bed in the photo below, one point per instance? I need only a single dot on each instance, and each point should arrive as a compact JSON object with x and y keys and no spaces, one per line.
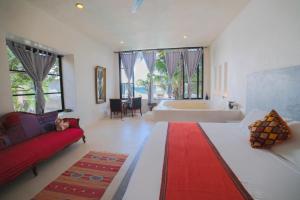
{"x":264,"y":175}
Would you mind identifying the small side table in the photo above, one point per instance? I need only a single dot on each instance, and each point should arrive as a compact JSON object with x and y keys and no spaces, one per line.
{"x":125,"y":105}
{"x":151,"y":106}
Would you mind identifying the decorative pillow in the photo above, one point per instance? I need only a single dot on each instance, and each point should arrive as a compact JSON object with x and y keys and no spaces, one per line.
{"x":269,"y":131}
{"x":73,"y":122}
{"x":251,"y":117}
{"x":61,"y":125}
{"x":11,"y":120}
{"x":31,"y":125}
{"x":4,"y":141}
{"x":47,"y":121}
{"x":13,"y":127}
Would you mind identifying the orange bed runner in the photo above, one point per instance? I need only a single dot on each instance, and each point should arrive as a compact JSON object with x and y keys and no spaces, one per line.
{"x":193,"y":168}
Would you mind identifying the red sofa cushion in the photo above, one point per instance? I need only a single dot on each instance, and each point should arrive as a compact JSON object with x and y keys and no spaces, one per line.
{"x":73,"y":122}
{"x":18,"y":158}
{"x":55,"y":141}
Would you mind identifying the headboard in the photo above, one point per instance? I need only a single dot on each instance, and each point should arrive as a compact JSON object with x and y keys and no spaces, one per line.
{"x":277,"y":89}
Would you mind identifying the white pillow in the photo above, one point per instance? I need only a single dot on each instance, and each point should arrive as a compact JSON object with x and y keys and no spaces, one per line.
{"x":251,"y":117}
{"x":290,"y":149}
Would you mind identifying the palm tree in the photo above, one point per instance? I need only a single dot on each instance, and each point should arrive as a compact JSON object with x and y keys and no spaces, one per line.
{"x":160,"y":77}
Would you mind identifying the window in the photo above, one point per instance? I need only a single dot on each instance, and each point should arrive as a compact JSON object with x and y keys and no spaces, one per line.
{"x":124,"y":83}
{"x":141,"y":78}
{"x":23,"y":91}
{"x":160,"y":77}
{"x":196,"y":83}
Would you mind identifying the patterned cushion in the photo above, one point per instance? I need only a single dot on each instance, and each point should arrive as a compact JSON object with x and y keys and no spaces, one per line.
{"x":61,"y":125}
{"x":73,"y":122}
{"x":47,"y":121}
{"x":269,"y":131}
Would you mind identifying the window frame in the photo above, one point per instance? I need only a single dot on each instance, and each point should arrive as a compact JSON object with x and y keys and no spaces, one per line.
{"x":60,"y":75}
{"x":183,"y":76}
{"x":198,"y":81}
{"x":120,"y":80}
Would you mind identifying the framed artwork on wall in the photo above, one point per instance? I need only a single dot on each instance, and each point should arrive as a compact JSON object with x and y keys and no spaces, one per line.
{"x":100,"y":73}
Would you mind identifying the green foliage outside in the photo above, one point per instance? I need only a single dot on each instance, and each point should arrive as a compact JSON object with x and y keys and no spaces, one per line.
{"x":160,"y":78}
{"x":21,"y":83}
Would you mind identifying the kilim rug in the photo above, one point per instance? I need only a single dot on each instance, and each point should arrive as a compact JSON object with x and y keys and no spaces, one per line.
{"x":85,"y":180}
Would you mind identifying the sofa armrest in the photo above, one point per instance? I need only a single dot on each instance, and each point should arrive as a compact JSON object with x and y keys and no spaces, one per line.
{"x":73,"y":122}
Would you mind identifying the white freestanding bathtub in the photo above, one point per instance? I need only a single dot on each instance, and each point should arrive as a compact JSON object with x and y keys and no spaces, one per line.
{"x":194,"y":110}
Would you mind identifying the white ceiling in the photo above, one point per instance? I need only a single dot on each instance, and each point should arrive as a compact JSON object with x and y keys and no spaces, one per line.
{"x":157,"y":23}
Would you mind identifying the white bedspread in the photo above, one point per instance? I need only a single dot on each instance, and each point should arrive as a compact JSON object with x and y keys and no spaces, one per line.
{"x":265,"y":176}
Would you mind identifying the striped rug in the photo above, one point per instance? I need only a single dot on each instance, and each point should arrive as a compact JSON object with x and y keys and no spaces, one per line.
{"x":85,"y":180}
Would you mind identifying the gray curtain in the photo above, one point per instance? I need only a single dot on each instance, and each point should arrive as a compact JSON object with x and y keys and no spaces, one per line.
{"x":128,"y":61}
{"x":37,"y":65}
{"x":191,"y":60}
{"x":172,"y":61}
{"x":150,"y":58}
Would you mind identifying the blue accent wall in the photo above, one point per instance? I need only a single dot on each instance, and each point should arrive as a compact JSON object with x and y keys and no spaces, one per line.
{"x":275,"y":89}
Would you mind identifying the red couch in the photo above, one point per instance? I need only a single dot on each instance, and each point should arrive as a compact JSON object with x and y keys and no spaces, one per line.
{"x":27,"y":139}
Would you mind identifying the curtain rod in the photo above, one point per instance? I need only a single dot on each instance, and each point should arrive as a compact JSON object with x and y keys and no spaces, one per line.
{"x":160,"y":49}
{"x":33,"y":49}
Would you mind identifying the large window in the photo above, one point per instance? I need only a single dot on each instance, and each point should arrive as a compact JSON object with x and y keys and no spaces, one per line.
{"x":196,"y":83}
{"x":141,"y":78}
{"x":23,"y":90}
{"x":124,"y":83}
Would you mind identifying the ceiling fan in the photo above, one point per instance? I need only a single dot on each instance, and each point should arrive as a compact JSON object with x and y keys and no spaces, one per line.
{"x":136,"y":5}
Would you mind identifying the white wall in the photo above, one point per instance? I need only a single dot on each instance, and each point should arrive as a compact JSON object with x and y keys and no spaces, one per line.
{"x":69,"y":82}
{"x":265,"y":35}
{"x":24,"y":20}
{"x":207,"y":73}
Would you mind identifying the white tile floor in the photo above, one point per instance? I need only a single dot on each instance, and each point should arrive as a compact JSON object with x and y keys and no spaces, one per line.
{"x":116,"y":135}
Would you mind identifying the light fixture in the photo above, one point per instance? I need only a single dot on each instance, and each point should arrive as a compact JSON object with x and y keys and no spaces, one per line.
{"x":79,"y":5}
{"x":121,"y":42}
{"x":185,"y":37}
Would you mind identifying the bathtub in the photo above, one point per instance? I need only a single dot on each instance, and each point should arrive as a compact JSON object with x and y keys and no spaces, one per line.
{"x":194,"y":110}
